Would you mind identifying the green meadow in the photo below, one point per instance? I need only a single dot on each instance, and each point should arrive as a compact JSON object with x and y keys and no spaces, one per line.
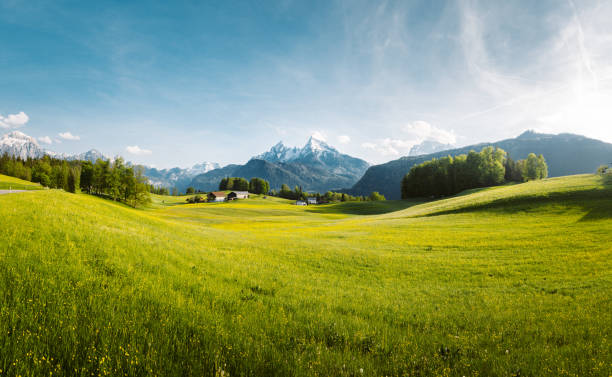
{"x":508,"y":281}
{"x":11,"y":183}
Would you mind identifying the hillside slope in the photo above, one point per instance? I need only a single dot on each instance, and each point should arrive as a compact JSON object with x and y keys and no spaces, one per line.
{"x":566,"y":154}
{"x":478,"y":284}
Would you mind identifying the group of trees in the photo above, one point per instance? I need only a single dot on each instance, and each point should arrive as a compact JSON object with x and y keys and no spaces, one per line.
{"x":448,"y":175}
{"x":255,"y":186}
{"x":259,"y":186}
{"x":158,"y":190}
{"x":234,"y":183}
{"x":49,"y":172}
{"x":114,"y":180}
{"x":532,"y":168}
{"x":329,"y":197}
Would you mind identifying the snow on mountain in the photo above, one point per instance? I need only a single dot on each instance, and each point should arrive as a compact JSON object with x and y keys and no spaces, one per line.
{"x":21,"y":145}
{"x":202,"y":168}
{"x":92,"y":155}
{"x":177,"y":177}
{"x":314,"y":148}
{"x":317,"y":166}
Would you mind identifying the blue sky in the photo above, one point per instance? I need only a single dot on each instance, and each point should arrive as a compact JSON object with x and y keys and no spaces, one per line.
{"x":177,"y":83}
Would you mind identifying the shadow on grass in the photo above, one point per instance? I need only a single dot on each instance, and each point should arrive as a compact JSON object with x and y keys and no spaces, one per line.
{"x":364,"y":208}
{"x":597,"y":202}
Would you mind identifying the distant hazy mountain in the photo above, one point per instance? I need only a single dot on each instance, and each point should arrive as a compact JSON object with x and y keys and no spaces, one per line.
{"x":92,"y":155}
{"x":565,"y":154}
{"x":177,"y":177}
{"x":316,"y":167}
{"x":428,"y":147}
{"x":21,"y":145}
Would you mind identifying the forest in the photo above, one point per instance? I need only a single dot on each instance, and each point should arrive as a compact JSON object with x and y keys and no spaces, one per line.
{"x":114,"y":180}
{"x":489,"y":167}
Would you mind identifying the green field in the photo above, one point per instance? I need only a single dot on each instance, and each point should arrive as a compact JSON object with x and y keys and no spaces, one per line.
{"x":12,"y":183}
{"x":513,"y":280}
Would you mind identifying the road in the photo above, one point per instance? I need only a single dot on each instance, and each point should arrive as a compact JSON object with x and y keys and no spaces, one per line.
{"x":11,"y":191}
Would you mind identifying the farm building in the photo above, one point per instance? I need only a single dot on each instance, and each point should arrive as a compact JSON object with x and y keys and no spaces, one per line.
{"x":238,"y":195}
{"x":300,"y":203}
{"x":312,"y":201}
{"x":217,"y":196}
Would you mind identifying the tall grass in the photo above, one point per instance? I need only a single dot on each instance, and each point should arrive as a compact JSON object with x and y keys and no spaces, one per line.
{"x":481,"y":284}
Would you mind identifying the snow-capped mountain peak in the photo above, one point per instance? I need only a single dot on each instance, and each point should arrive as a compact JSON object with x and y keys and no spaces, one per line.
{"x":202,"y":168}
{"x":20,"y":145}
{"x":18,"y":137}
{"x":316,"y":145}
{"x":281,"y":153}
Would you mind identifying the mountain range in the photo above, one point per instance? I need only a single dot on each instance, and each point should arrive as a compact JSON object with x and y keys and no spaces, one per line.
{"x":319,"y":167}
{"x":177,"y":177}
{"x":18,"y":144}
{"x":565,"y":154}
{"x":21,"y":145}
{"x":315,"y":167}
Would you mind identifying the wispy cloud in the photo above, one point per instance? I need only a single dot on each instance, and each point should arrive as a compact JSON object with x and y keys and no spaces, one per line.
{"x":136,"y":150}
{"x":14,"y":120}
{"x":68,"y":136}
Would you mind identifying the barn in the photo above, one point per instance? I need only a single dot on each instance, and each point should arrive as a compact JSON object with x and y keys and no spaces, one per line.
{"x":217,"y":196}
{"x":238,"y":195}
{"x":300,"y":203}
{"x":312,"y":201}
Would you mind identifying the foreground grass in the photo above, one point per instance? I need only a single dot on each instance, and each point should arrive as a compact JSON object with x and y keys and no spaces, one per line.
{"x":510,"y":281}
{"x":13,"y":183}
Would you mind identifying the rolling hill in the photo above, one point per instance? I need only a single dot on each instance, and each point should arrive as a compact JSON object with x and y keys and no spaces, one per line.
{"x":502,"y":281}
{"x":565,"y":154}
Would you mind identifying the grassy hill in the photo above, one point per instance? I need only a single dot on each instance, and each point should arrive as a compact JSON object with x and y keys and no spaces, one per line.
{"x":13,"y":183}
{"x":566,"y":154}
{"x":513,"y":280}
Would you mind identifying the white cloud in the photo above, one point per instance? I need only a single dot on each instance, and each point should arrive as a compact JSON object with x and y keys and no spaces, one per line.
{"x":344,"y":139}
{"x":14,"y":120}
{"x":388,"y":146}
{"x":421,"y":131}
{"x":45,"y":140}
{"x":416,"y":133}
{"x":319,"y":135}
{"x":68,"y":136}
{"x":135,"y":149}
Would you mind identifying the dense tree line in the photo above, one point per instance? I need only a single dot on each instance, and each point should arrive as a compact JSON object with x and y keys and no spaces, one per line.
{"x":234,"y":183}
{"x":114,"y":180}
{"x":158,"y":190}
{"x":329,"y":197}
{"x":49,"y":172}
{"x":492,"y":166}
{"x":255,"y":186}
